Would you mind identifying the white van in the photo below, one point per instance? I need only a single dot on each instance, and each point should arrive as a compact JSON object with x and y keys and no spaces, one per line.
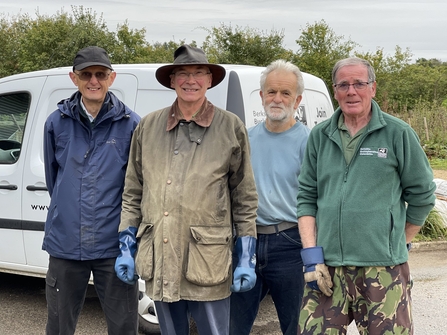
{"x":27,"y":99}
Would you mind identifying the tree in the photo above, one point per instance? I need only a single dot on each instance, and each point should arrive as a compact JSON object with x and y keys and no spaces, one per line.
{"x":438,"y":79}
{"x":402,"y":85}
{"x":131,"y":46}
{"x":389,"y":70}
{"x":319,"y":49}
{"x":228,"y":45}
{"x":52,"y":41}
{"x":164,"y":52}
{"x":12,"y":30}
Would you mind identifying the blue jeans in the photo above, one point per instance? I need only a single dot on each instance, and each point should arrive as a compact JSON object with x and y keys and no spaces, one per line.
{"x":279,"y":270}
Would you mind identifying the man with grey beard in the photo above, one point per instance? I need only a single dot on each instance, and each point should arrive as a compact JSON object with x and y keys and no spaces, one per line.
{"x":277,"y":150}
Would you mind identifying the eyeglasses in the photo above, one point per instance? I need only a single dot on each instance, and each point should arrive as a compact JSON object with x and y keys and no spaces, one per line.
{"x":87,"y":76}
{"x":183,"y":75}
{"x":359,"y":86}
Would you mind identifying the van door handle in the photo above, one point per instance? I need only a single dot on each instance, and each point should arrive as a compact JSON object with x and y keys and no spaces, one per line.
{"x":36,"y":188}
{"x":8,"y":187}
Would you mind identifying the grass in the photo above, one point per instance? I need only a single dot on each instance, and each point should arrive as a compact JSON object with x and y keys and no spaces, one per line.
{"x":438,"y":164}
{"x":433,"y":229}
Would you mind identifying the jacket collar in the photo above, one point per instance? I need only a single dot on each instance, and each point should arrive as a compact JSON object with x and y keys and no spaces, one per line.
{"x":377,"y":120}
{"x":112,"y":107}
{"x":203,"y":117}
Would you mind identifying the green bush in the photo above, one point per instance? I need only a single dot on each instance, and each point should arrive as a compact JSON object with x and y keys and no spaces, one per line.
{"x":429,"y":120}
{"x":435,"y":150}
{"x":433,"y":228}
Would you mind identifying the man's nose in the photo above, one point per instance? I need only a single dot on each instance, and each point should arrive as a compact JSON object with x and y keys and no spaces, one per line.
{"x":277,"y":97}
{"x":93,"y":79}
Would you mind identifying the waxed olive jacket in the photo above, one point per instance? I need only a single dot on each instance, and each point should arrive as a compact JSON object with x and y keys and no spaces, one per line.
{"x":189,"y":186}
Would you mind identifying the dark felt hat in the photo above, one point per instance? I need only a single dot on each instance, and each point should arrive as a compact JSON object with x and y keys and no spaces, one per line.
{"x":91,"y":56}
{"x":188,"y":55}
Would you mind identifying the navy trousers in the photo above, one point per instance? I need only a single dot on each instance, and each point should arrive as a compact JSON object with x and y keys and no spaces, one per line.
{"x":66,"y":287}
{"x":211,"y":317}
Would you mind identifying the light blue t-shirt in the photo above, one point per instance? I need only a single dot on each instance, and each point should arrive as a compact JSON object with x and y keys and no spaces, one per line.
{"x":276,"y":160}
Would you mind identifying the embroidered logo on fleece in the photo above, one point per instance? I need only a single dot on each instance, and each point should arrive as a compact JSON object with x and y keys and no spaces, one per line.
{"x":380,"y":152}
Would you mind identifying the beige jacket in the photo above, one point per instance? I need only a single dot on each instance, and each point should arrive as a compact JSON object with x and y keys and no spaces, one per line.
{"x":187,"y":185}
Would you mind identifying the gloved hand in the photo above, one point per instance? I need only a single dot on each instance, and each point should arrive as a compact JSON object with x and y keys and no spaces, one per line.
{"x":316,"y":274}
{"x":125,"y":263}
{"x":244,"y":277}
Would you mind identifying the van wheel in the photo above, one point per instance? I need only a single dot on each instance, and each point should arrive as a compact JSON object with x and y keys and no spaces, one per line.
{"x":147,"y":318}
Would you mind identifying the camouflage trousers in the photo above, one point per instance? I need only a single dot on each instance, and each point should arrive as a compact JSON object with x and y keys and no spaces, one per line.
{"x":377,"y":298}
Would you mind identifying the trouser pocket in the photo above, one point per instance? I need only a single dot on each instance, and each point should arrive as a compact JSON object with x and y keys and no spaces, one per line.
{"x":51,"y":294}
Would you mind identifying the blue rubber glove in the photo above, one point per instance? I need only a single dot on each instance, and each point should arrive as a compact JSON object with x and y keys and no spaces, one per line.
{"x":316,"y":274}
{"x":125,"y":263}
{"x":244,"y":277}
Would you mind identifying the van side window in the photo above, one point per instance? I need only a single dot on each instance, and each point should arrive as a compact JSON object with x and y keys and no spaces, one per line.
{"x":13,"y":112}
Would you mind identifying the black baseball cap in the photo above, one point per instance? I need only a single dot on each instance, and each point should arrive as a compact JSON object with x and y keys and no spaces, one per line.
{"x":91,"y":56}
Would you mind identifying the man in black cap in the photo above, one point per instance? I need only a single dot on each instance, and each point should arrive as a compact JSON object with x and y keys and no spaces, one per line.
{"x":86,"y":148}
{"x":189,"y":184}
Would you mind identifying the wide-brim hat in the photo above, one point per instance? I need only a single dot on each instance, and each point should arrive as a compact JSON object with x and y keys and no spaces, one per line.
{"x":91,"y":56}
{"x":188,"y":55}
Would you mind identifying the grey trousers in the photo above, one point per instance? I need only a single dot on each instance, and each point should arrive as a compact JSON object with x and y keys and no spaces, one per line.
{"x":211,"y":317}
{"x":66,"y":287}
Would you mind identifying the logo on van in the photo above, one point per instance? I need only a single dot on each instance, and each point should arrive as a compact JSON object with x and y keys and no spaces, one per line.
{"x":300,"y":114}
{"x":39,"y":207}
{"x":321,"y":112}
{"x":258,"y":117}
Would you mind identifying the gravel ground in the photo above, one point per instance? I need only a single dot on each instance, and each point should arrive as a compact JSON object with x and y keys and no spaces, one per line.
{"x":441,"y":174}
{"x":429,"y":271}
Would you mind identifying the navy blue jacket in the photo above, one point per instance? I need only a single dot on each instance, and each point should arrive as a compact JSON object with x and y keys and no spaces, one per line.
{"x":85,"y":166}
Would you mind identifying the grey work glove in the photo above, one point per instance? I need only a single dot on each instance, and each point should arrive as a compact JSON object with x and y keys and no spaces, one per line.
{"x":316,"y":274}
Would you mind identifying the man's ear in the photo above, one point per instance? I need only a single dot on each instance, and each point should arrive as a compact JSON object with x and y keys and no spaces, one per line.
{"x":73,"y":78}
{"x":374,"y":86}
{"x":211,"y":80}
{"x":112,"y":77}
{"x":297,"y":102}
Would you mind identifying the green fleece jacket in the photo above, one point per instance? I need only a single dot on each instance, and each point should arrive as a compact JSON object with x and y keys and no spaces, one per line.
{"x":361,"y":208}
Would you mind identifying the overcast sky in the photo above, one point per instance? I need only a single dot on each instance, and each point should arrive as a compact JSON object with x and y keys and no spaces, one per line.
{"x":420,"y":26}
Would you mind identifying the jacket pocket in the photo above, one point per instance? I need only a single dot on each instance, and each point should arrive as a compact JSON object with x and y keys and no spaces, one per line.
{"x":144,"y":259}
{"x":209,"y":257}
